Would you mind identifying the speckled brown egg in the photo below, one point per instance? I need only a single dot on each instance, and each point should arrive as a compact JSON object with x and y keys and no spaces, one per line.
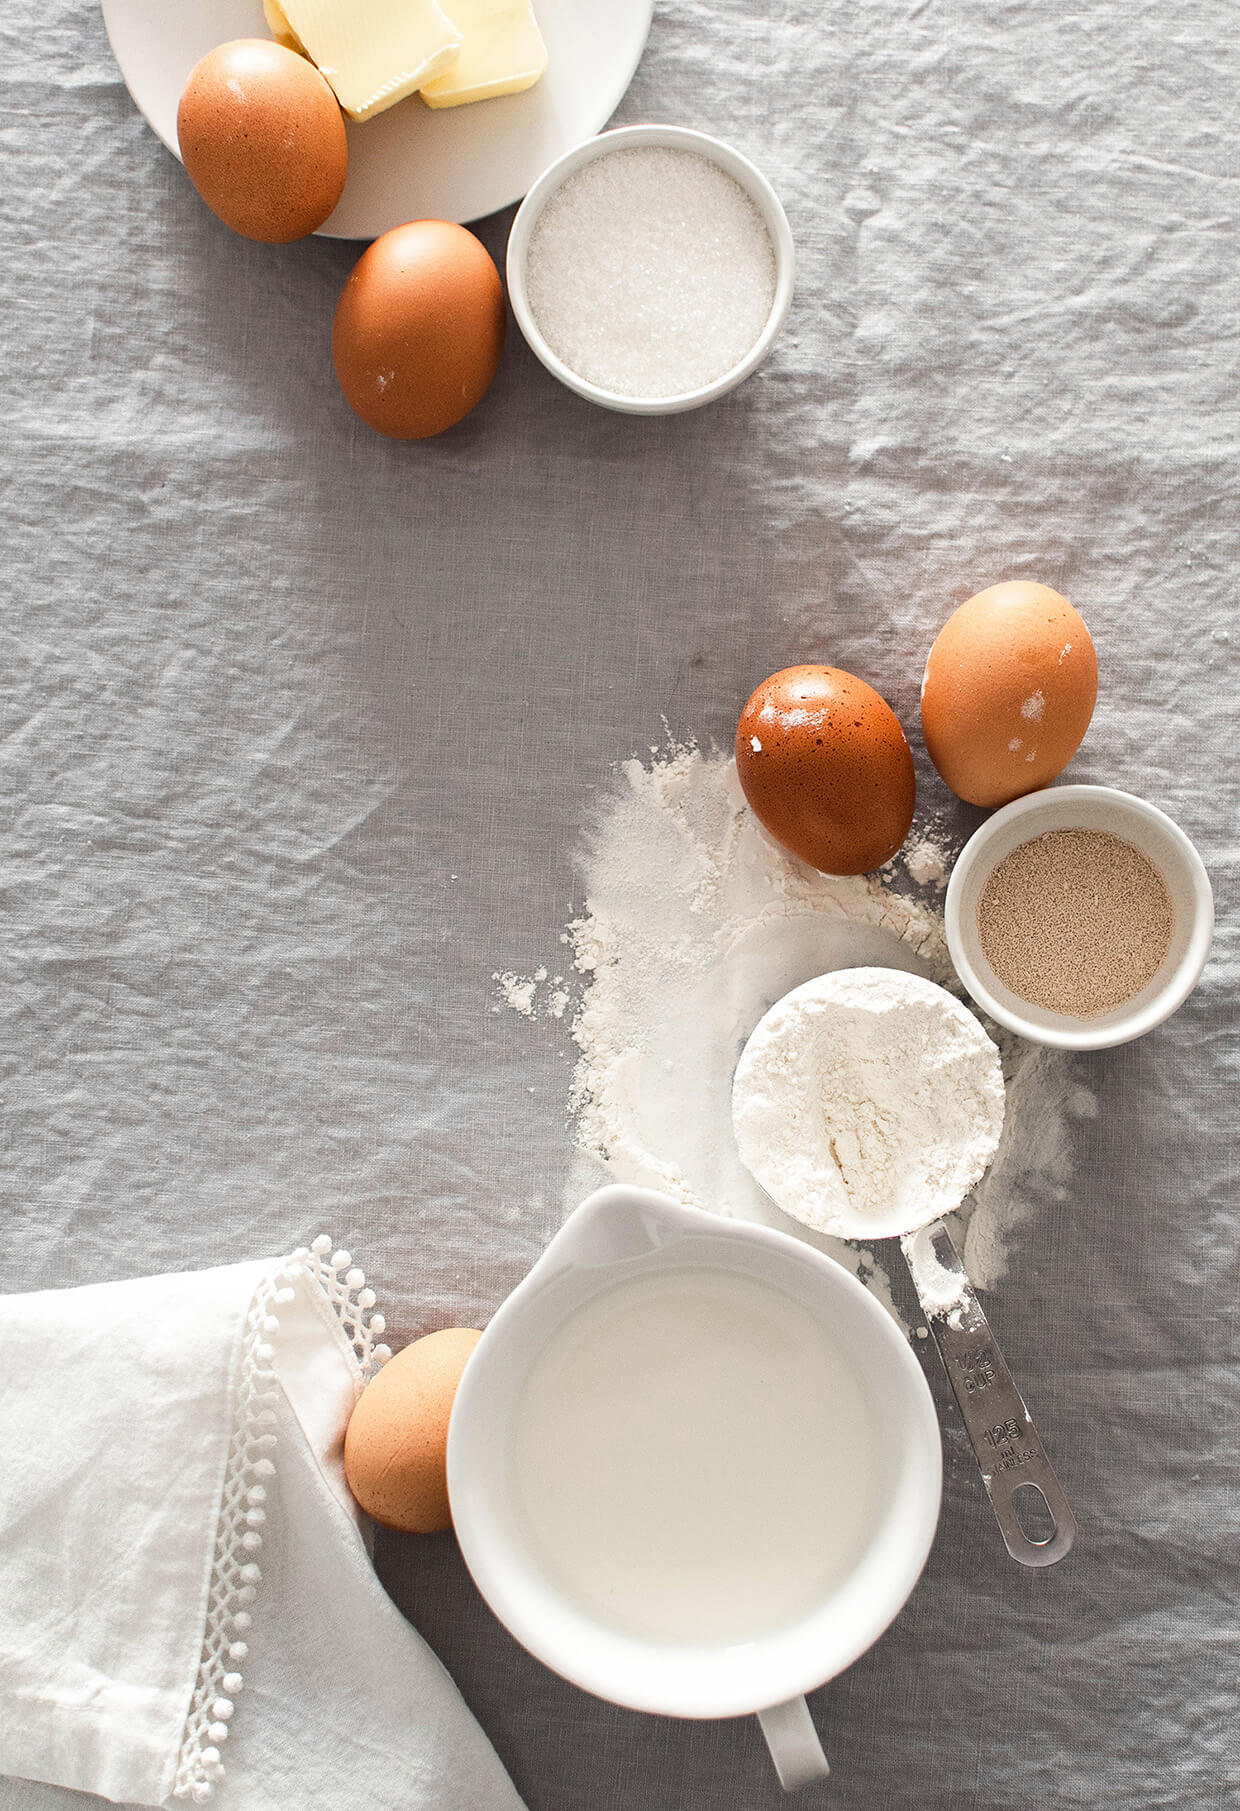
{"x":419,"y":329}
{"x":824,"y":764}
{"x":1009,"y":691}
{"x":263,"y":140}
{"x":396,"y":1443}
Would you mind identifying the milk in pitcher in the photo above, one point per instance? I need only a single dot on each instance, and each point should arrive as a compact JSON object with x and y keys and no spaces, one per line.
{"x":693,"y":1458}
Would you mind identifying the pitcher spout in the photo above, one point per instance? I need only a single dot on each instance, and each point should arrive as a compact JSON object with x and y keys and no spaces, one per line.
{"x":616,"y":1223}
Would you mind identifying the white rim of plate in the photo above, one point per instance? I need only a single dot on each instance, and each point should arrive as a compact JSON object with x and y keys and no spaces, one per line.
{"x":115,"y":25}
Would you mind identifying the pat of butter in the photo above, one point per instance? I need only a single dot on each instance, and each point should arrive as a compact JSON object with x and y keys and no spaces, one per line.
{"x":501,"y":52}
{"x":373,"y":52}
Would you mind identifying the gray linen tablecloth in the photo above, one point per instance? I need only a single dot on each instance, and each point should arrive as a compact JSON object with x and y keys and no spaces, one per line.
{"x":299,"y":729}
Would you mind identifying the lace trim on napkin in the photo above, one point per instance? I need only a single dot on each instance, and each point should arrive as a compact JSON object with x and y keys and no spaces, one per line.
{"x":235,"y":1572}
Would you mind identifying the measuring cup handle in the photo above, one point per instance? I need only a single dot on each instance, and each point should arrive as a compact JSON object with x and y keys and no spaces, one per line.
{"x":794,"y":1745}
{"x":1005,"y":1442}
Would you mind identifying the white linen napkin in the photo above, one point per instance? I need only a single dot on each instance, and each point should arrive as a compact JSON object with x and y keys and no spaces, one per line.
{"x":175,"y":1531}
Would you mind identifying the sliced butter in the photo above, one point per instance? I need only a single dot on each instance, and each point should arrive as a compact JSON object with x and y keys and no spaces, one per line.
{"x":501,"y":52}
{"x":374,"y":52}
{"x":280,"y":28}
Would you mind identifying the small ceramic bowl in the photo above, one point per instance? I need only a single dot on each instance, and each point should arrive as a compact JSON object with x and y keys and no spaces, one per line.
{"x":627,"y":138}
{"x":1083,"y":808}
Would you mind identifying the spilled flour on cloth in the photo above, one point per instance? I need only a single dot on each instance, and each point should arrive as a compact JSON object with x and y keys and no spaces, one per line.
{"x":518,"y":990}
{"x":695,"y":922}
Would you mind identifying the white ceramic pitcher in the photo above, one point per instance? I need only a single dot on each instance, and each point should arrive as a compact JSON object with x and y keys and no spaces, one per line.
{"x":770,"y":1675}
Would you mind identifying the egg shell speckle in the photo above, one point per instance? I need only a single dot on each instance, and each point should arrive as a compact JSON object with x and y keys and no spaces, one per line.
{"x":395,"y":1446}
{"x":826,"y":768}
{"x":419,"y":329}
{"x":1009,"y":691}
{"x":263,"y":140}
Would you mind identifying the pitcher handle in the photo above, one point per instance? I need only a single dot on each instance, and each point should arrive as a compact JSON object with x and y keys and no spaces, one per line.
{"x":794,"y":1745}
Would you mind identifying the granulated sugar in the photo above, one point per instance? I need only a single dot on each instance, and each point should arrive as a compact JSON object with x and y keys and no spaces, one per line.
{"x":695,"y":923}
{"x":1076,"y":921}
{"x":650,"y":272}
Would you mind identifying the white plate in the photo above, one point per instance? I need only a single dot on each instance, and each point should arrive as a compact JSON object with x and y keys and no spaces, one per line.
{"x":412,"y":163}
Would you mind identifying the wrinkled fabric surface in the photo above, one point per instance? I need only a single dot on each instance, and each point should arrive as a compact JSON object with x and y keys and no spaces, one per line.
{"x":299,"y":729}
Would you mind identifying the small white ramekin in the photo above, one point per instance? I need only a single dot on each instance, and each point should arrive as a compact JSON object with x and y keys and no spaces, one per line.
{"x":627,"y":138}
{"x":1083,"y":808}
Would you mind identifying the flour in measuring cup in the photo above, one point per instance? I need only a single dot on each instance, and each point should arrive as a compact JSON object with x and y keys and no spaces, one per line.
{"x":868,"y":1102}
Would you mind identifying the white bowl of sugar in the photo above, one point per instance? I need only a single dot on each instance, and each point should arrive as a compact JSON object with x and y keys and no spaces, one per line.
{"x":650,"y":269}
{"x":1079,"y":916}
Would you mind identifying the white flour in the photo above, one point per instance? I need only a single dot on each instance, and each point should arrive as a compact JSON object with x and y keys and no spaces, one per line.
{"x":519,"y":991}
{"x":941,"y":1291}
{"x":926,"y":861}
{"x":695,"y":922}
{"x":868,"y":1102}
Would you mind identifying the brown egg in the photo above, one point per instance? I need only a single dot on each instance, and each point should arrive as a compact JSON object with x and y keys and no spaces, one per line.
{"x":824,"y":764}
{"x":395,"y":1446}
{"x":419,"y":329}
{"x":263,"y":140}
{"x":1008,"y":693}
